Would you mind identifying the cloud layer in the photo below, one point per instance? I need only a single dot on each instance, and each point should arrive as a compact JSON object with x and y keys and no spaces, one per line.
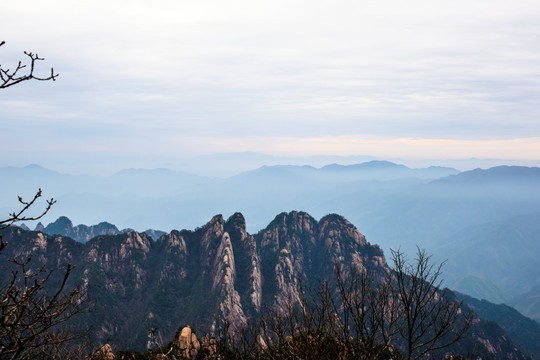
{"x":166,"y":73}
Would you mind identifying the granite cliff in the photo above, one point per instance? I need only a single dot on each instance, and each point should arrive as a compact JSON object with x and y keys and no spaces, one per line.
{"x":216,"y":271}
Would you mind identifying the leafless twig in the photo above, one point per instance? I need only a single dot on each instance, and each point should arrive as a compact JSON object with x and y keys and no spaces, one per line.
{"x":17,"y":216}
{"x":23,"y":72}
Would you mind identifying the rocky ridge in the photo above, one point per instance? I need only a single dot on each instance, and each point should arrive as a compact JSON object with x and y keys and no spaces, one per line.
{"x":216,"y":271}
{"x":82,"y":233}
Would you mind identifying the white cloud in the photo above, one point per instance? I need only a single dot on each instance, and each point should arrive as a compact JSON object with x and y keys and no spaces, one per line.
{"x":137,"y":70}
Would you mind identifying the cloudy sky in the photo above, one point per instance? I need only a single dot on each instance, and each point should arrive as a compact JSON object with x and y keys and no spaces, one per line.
{"x":143,"y":84}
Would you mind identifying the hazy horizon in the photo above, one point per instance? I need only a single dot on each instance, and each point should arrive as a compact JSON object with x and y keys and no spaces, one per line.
{"x":225,"y":165}
{"x":149,"y":84}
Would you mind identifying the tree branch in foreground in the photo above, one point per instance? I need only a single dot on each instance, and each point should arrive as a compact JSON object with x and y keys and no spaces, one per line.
{"x":23,"y":72}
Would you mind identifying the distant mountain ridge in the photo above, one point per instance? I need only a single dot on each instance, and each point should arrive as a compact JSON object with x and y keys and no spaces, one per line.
{"x":512,"y":243}
{"x":497,"y":173}
{"x":528,"y":303}
{"x":137,"y":197}
{"x":375,"y":170}
{"x":386,"y":170}
{"x":83,"y":233}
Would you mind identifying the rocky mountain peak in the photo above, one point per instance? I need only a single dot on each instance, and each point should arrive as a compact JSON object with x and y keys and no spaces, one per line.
{"x":62,"y":225}
{"x":138,"y":241}
{"x":39,"y":227}
{"x":335,"y":227}
{"x":212,"y":232}
{"x":236,"y":227}
{"x":81,"y":233}
{"x":174,"y":243}
{"x":218,"y":271}
{"x":296,"y":221}
{"x":287,"y":230}
{"x":237,"y":220}
{"x":216,"y":220}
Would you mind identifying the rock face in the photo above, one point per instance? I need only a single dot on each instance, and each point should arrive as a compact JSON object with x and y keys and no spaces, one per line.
{"x":217,"y":271}
{"x":186,"y":344}
{"x":103,"y":353}
{"x":297,"y":247}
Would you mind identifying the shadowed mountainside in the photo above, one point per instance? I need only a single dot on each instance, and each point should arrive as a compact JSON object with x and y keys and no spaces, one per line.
{"x":524,"y":331}
{"x":217,"y":270}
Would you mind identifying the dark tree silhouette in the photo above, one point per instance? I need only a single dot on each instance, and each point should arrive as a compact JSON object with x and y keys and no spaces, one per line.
{"x":430,"y":318}
{"x":400,"y":313}
{"x":367,"y":321}
{"x":23,"y":71}
{"x":32,"y":311}
{"x":21,"y":214}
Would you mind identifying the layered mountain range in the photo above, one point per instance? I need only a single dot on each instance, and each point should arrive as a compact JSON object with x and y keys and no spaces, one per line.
{"x":216,"y":271}
{"x":485,"y":222}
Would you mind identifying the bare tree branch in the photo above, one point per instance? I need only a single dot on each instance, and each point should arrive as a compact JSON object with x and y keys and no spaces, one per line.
{"x":23,"y":72}
{"x":31,"y":312}
{"x":429,"y":319}
{"x":357,"y":315}
{"x":17,"y":216}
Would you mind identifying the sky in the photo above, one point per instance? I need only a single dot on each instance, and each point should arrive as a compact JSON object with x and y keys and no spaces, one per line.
{"x":149,"y":84}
